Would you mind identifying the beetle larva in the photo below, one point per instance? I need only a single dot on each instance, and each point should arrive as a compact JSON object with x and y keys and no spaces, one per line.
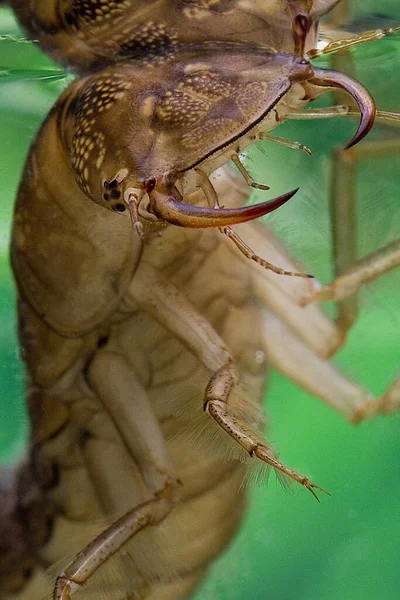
{"x":116,"y":337}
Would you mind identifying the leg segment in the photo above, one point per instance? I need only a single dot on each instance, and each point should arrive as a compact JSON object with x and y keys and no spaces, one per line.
{"x":116,"y":385}
{"x":352,"y":274}
{"x":321,"y":378}
{"x":339,"y":110}
{"x":212,"y":199}
{"x":344,"y":44}
{"x":110,"y":541}
{"x":363,"y":271}
{"x":171,"y":308}
{"x":283,"y":142}
{"x":344,"y":226}
{"x":216,"y":405}
{"x":311,"y":372}
{"x":118,"y":388}
{"x":282,"y":295}
{"x":248,"y":253}
{"x":245,"y":174}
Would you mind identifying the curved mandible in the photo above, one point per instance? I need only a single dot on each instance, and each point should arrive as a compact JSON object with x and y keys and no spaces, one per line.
{"x":168,"y":208}
{"x":327,"y":78}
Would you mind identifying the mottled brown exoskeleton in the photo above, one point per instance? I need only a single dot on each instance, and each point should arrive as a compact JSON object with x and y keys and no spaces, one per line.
{"x":130,"y":326}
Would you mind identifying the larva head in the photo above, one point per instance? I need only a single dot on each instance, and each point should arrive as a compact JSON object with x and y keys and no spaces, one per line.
{"x":134,"y":122}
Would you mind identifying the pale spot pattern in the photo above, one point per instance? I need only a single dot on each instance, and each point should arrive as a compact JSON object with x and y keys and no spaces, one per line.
{"x":88,"y":143}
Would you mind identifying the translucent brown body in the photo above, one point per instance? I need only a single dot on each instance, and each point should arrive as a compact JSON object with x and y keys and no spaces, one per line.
{"x":80,"y":465}
{"x":84,"y":332}
{"x":67,"y":485}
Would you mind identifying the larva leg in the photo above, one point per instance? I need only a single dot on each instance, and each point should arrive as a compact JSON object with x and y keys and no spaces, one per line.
{"x":249,"y":253}
{"x":283,"y":142}
{"x":387,"y":404}
{"x":382,"y":116}
{"x":391,"y":400}
{"x":343,"y":212}
{"x":170,"y":307}
{"x":363,"y":271}
{"x":216,"y":404}
{"x":315,"y":374}
{"x":116,"y":385}
{"x":321,"y":378}
{"x":110,"y":541}
{"x":344,"y":44}
{"x":339,"y":110}
{"x":282,"y":295}
{"x":246,"y":175}
{"x":159,"y":297}
{"x":213,"y":201}
{"x":352,"y":274}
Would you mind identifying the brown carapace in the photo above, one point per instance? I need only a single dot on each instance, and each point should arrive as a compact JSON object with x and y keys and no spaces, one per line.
{"x":129,"y":331}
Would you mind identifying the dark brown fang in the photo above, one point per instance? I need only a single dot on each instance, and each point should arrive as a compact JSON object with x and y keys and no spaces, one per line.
{"x":363,"y":98}
{"x":168,"y":208}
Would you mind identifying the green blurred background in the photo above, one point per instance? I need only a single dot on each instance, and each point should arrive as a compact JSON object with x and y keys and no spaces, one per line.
{"x":290,"y":547}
